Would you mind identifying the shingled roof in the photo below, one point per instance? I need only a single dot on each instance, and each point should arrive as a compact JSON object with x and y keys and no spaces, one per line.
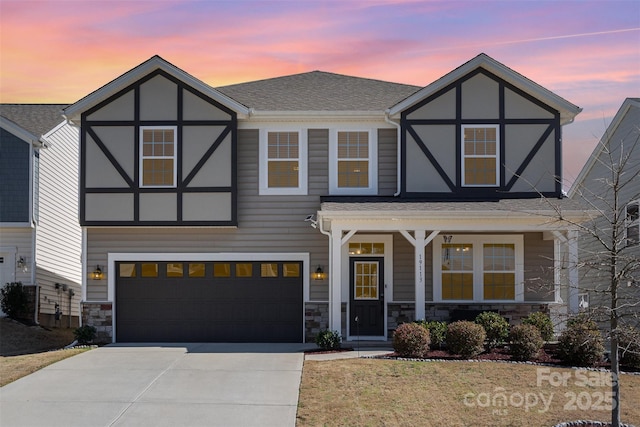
{"x":318,"y":91}
{"x":37,"y":119}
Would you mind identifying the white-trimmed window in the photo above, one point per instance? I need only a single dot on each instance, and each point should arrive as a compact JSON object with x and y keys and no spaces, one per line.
{"x":158,"y":156}
{"x":480,"y":155}
{"x":353,"y":162}
{"x":478,"y":268}
{"x":632,"y":223}
{"x":283,"y":162}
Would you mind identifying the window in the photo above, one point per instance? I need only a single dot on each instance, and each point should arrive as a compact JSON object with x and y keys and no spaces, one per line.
{"x":291,"y":270}
{"x":196,"y":269}
{"x":632,"y":223}
{"x":353,"y":165}
{"x":175,"y":270}
{"x":268,"y":270}
{"x":283,"y":162}
{"x":478,"y":268}
{"x":221,"y":269}
{"x":149,"y":269}
{"x":158,"y":156}
{"x":127,"y":270}
{"x":366,"y":280}
{"x":480,"y":155}
{"x":244,"y":270}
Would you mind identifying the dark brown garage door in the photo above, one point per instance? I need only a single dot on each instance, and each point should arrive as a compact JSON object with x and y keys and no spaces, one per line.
{"x":209,"y":301}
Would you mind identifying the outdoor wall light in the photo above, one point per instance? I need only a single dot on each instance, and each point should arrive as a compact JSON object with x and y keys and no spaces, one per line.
{"x":97,"y":273}
{"x":22,"y":264}
{"x":319,"y":274}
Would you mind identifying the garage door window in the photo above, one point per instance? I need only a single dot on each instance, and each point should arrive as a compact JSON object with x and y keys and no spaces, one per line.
{"x":244,"y":270}
{"x":196,"y":270}
{"x":127,"y":270}
{"x":221,"y":269}
{"x":268,"y":270}
{"x":175,"y":270}
{"x":149,"y":269}
{"x":291,"y":270}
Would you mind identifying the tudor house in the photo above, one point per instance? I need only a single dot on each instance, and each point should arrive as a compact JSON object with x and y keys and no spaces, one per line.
{"x":273,"y":209}
{"x":40,"y":238}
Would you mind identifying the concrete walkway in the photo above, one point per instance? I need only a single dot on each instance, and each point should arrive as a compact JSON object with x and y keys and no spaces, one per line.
{"x":161,"y":385}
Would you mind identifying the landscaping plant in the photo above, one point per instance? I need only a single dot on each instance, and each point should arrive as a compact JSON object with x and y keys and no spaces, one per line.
{"x":329,"y":340}
{"x":629,"y":346}
{"x":437,"y":332}
{"x":581,"y":343}
{"x":465,"y":338}
{"x":496,"y":327}
{"x":542,"y":322}
{"x":411,"y":340}
{"x":85,"y":334}
{"x":14,"y":301}
{"x":525,"y":342}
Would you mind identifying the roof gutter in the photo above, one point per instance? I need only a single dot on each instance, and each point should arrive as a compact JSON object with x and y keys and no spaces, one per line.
{"x":398,"y":153}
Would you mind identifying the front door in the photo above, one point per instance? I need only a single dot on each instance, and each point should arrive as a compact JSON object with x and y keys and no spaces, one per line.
{"x":366,"y":296}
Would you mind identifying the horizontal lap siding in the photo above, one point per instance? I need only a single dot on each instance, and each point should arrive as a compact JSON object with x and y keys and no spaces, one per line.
{"x":538,"y":268}
{"x":403,"y":270}
{"x":265,"y":223}
{"x":387,"y":162}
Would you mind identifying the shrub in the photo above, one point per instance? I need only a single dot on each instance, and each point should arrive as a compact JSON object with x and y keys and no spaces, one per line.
{"x":581,"y":343}
{"x":542,"y":322}
{"x":496,"y":327}
{"x":629,"y":346}
{"x":525,"y":342}
{"x":437,"y":332}
{"x":14,"y":300}
{"x":411,"y":340}
{"x":85,"y":334}
{"x":329,"y":340}
{"x":465,"y":338}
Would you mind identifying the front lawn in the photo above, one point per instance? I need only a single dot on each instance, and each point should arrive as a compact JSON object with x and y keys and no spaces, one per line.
{"x":370,"y":392}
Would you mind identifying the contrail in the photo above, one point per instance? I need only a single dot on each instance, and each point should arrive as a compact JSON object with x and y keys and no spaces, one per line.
{"x":569,"y":36}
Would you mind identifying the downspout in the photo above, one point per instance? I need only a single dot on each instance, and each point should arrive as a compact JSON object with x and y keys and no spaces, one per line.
{"x":398,"y":172}
{"x":330,"y":272}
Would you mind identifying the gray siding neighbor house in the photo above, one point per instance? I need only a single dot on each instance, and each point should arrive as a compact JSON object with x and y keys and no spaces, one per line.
{"x":618,"y":149}
{"x":274,"y":209}
{"x":40,"y":237}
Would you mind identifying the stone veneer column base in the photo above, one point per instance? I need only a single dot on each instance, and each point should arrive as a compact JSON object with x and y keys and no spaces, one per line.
{"x":316,"y":319}
{"x":100,"y":316}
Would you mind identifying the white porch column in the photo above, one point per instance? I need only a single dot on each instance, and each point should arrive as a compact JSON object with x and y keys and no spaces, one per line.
{"x":335,"y":293}
{"x":572,"y":244}
{"x":419,"y":271}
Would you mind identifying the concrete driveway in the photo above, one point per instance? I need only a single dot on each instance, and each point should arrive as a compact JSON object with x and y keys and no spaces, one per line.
{"x":161,"y":385}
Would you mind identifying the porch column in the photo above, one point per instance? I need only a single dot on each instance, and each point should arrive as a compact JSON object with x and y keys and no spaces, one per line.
{"x":419,"y":242}
{"x":572,"y":244}
{"x":335,"y":293}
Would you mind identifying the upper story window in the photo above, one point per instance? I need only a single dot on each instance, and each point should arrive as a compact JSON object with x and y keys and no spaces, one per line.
{"x":158,"y":156}
{"x":353,"y":163}
{"x":283,"y":162}
{"x":478,"y":268}
{"x":632,"y":223}
{"x":480,"y":155}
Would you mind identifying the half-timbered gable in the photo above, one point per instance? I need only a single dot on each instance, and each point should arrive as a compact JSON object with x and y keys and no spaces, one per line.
{"x":482,"y":132}
{"x":158,"y":151}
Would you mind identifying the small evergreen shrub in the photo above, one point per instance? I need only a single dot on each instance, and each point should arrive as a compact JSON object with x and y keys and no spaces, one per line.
{"x":85,"y":334}
{"x":14,"y":301}
{"x":629,"y":346}
{"x":496,"y":327}
{"x":542,"y":322}
{"x":437,"y":332}
{"x":465,"y":338}
{"x":525,"y":342}
{"x":581,"y":343}
{"x":411,"y":340}
{"x":329,"y":340}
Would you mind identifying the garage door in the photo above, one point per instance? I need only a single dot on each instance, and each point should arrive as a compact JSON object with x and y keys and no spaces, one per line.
{"x":209,"y":301}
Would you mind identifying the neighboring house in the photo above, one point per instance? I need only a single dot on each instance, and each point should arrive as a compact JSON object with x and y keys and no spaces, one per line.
{"x":40,"y":237}
{"x":271,"y":210}
{"x":620,"y":145}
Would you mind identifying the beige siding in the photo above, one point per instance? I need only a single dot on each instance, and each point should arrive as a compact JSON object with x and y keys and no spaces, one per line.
{"x":58,"y":233}
{"x":318,"y":140}
{"x":265,"y":223}
{"x":387,"y":162}
{"x":403,"y":269}
{"x":480,"y":98}
{"x":517,"y":107}
{"x":158,"y":99}
{"x":20,"y":241}
{"x":120,"y":108}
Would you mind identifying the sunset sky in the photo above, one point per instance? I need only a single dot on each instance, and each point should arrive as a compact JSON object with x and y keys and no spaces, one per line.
{"x":585,"y":51}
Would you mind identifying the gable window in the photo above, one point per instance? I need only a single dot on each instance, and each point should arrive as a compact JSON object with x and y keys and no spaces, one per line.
{"x":158,"y":156}
{"x":283,"y":162}
{"x":632,"y":223}
{"x":480,"y":155}
{"x":478,"y":268}
{"x":353,"y":162}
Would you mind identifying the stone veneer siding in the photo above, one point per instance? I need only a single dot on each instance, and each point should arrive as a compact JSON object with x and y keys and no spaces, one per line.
{"x":316,"y":319}
{"x":397,"y":314}
{"x":514,"y":313}
{"x":100,"y":316}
